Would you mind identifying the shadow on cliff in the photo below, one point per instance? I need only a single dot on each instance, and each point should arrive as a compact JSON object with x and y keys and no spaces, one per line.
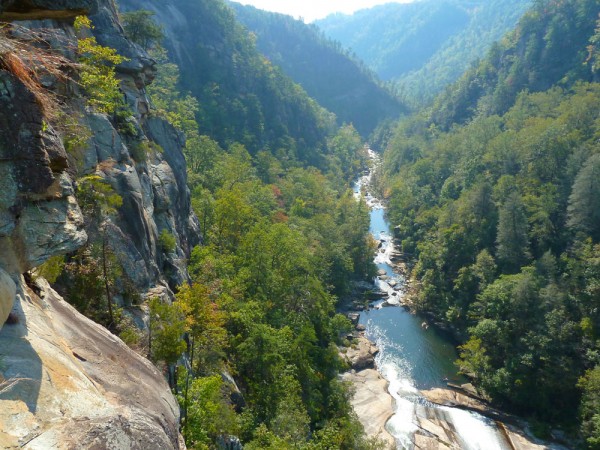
{"x":20,"y":365}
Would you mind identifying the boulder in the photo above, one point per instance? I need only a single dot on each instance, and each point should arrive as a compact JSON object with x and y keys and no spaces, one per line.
{"x":353,"y":317}
{"x":362,"y":354}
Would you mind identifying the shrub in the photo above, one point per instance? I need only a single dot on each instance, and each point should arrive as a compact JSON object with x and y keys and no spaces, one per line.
{"x":52,"y":268}
{"x":167,"y":242}
{"x":97,"y":69}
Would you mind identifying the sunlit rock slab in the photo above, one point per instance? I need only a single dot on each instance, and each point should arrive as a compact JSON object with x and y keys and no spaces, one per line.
{"x":372,"y":403}
{"x":66,"y":382}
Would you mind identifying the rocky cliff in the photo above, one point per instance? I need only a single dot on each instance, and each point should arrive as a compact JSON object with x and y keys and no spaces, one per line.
{"x":65,"y":381}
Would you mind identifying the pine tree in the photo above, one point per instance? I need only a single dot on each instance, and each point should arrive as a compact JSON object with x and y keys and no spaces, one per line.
{"x":512,"y":238}
{"x":584,"y":202}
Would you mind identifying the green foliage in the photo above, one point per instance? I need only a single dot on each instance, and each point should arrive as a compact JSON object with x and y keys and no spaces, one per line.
{"x":96,"y":197}
{"x":166,"y":328}
{"x":280,"y":238}
{"x":322,"y":67}
{"x":97,"y":69}
{"x":590,"y":407}
{"x":75,"y":135}
{"x":209,"y":415}
{"x":584,"y":201}
{"x":594,"y":50}
{"x":167,"y":241}
{"x":140,"y":28}
{"x":88,"y":277}
{"x":141,"y":149}
{"x":436,"y":43}
{"x":204,"y":323}
{"x":96,"y":263}
{"x":52,"y":268}
{"x":179,"y":110}
{"x":499,"y":216}
{"x":547,"y":48}
{"x":239,"y":92}
{"x":512,"y":236}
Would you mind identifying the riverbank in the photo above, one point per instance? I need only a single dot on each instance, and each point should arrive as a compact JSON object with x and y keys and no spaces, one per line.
{"x":371,"y":400}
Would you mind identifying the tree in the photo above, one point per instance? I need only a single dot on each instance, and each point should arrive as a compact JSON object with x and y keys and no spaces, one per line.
{"x":590,"y":407}
{"x":209,"y":414}
{"x":584,"y":202}
{"x":204,"y":324}
{"x":98,"y":201}
{"x":141,"y":29}
{"x":97,"y":71}
{"x":594,"y":50}
{"x":166,"y":330}
{"x":512,"y":238}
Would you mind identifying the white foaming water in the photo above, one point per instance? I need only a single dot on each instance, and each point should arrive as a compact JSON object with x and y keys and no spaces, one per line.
{"x":476,"y":432}
{"x":402,"y":425}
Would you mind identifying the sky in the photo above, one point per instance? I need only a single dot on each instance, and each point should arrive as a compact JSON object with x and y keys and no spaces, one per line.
{"x":311,"y":10}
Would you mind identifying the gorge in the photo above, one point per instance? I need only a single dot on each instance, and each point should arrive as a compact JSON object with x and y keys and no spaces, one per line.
{"x":180,"y":231}
{"x":416,"y":359}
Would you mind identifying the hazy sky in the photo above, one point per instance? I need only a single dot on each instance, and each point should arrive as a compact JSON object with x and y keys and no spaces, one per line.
{"x":315,"y":9}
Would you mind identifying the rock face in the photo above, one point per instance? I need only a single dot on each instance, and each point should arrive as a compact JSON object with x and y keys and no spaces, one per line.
{"x":436,"y":429}
{"x":39,"y":216}
{"x":44,"y":9}
{"x":153,"y":184}
{"x":371,"y":400}
{"x":8,"y":290}
{"x":66,"y":382}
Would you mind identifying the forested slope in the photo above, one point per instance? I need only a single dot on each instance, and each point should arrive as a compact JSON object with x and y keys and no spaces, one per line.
{"x":242,"y":97}
{"x":424,"y":46}
{"x":500,"y":216}
{"x":547,"y":48}
{"x":338,"y":82}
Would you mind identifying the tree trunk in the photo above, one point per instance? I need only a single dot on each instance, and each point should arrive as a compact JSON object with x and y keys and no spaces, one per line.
{"x":107,"y":282}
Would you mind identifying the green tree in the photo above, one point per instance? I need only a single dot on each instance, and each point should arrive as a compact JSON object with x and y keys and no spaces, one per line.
{"x":209,"y":414}
{"x":584,"y":202}
{"x":590,"y":407}
{"x":204,"y":323}
{"x":97,"y":70}
{"x":166,"y":328}
{"x":140,"y":27}
{"x":512,"y":238}
{"x":98,"y":201}
{"x":594,"y":50}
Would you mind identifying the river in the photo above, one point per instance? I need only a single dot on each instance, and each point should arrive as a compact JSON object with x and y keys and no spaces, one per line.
{"x":413,"y":357}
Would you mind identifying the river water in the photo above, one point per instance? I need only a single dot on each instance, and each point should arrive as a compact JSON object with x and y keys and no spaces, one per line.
{"x":413,"y":357}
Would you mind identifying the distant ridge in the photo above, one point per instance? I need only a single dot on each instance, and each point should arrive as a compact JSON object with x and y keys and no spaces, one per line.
{"x":425,"y":45}
{"x":329,"y":74}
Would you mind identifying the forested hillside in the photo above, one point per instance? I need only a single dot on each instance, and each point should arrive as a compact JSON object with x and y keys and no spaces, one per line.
{"x":500,"y":216}
{"x":338,"y":82}
{"x":242,"y":97}
{"x":424,"y":46}
{"x":548,"y":47}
